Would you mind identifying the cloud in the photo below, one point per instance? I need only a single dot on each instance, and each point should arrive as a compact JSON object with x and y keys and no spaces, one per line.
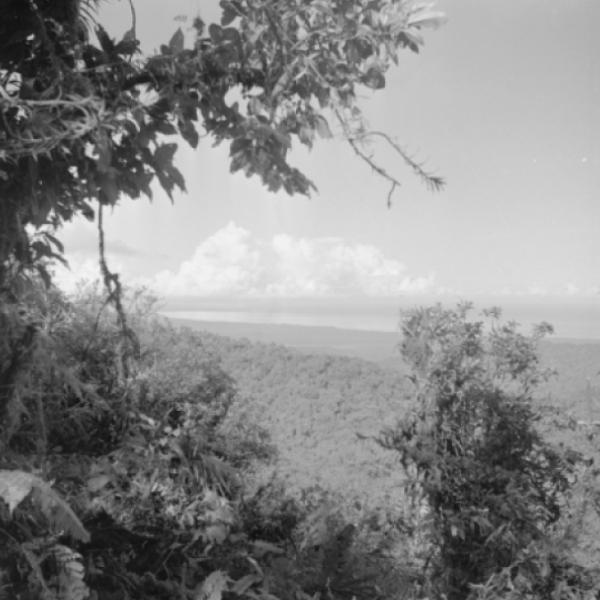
{"x":81,"y":270}
{"x":228,"y":262}
{"x":233,"y":262}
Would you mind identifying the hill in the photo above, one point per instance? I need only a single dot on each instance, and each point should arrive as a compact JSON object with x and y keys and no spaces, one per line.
{"x":315,"y":406}
{"x":316,"y":393}
{"x":576,"y":385}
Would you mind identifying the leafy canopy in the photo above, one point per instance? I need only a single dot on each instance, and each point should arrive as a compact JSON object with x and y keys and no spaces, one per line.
{"x":86,"y":120}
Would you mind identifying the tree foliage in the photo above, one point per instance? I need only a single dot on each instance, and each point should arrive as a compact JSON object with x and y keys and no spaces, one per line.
{"x":87,"y":121}
{"x":492,"y":487}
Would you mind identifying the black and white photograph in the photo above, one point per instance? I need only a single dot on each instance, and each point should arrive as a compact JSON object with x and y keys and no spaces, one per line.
{"x":299,"y":300}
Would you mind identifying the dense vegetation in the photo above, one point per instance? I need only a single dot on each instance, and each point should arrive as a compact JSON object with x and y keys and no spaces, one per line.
{"x":151,"y":495}
{"x":177,"y":480}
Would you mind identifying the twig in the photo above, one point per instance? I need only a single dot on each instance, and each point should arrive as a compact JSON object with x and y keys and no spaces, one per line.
{"x":365,"y":157}
{"x":379,"y":170}
{"x":433,"y":182}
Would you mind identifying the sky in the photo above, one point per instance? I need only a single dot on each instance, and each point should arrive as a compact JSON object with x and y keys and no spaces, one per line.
{"x":503,"y":101}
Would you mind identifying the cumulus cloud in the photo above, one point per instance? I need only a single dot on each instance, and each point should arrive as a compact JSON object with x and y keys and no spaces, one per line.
{"x":228,"y":262}
{"x":233,"y":262}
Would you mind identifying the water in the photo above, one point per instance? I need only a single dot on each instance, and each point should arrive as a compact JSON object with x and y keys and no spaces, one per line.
{"x":359,"y":322}
{"x":576,"y":319}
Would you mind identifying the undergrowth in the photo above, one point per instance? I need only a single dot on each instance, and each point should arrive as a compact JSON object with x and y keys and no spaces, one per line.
{"x":138,"y":484}
{"x":142,"y":483}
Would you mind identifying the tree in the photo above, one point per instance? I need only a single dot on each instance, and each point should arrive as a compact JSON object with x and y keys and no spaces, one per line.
{"x":85,"y":123}
{"x":493,"y":487}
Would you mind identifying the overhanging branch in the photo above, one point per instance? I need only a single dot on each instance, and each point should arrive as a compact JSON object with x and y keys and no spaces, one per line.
{"x":357,"y":138}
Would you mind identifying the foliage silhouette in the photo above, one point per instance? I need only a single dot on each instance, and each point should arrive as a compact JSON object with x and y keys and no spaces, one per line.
{"x":85,"y":123}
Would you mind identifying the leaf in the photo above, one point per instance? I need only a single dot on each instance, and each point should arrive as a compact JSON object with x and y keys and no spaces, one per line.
{"x":322,"y":127}
{"x":232,"y":35}
{"x":58,"y":512}
{"x":109,"y":192}
{"x":105,"y":42}
{"x":163,"y":156}
{"x":166,"y":128}
{"x":56,"y":242}
{"x":95,"y":484}
{"x":129,"y":36}
{"x":229,"y":12}
{"x":177,"y":178}
{"x":41,"y":249}
{"x":127,"y":47}
{"x":215,"y":32}
{"x":16,"y":485}
{"x":129,"y":44}
{"x":188,"y":132}
{"x":427,"y":18}
{"x":411,"y":40}
{"x":212,"y":587}
{"x":306,"y":135}
{"x":260,"y":548}
{"x":374,"y":79}
{"x":176,"y":43}
{"x":241,"y":586}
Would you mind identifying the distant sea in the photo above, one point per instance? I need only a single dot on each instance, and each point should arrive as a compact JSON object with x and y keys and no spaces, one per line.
{"x":575,"y":319}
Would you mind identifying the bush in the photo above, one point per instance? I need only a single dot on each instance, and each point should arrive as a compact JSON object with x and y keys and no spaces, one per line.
{"x":141,"y":460}
{"x":489,"y":484}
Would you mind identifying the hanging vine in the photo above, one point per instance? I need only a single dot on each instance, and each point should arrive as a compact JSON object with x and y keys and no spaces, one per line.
{"x":130,"y":348}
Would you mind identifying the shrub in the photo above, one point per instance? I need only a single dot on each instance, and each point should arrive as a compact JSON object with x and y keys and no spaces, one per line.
{"x":141,"y":457}
{"x":491,"y":486}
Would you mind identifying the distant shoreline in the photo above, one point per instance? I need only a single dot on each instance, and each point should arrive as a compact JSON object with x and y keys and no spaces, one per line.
{"x":371,"y":345}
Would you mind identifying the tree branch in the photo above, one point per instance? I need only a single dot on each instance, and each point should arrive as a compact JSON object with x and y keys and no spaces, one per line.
{"x":433,"y":182}
{"x":353,"y":141}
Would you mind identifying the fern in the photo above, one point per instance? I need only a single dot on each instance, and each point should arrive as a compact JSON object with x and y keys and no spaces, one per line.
{"x":15,"y":486}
